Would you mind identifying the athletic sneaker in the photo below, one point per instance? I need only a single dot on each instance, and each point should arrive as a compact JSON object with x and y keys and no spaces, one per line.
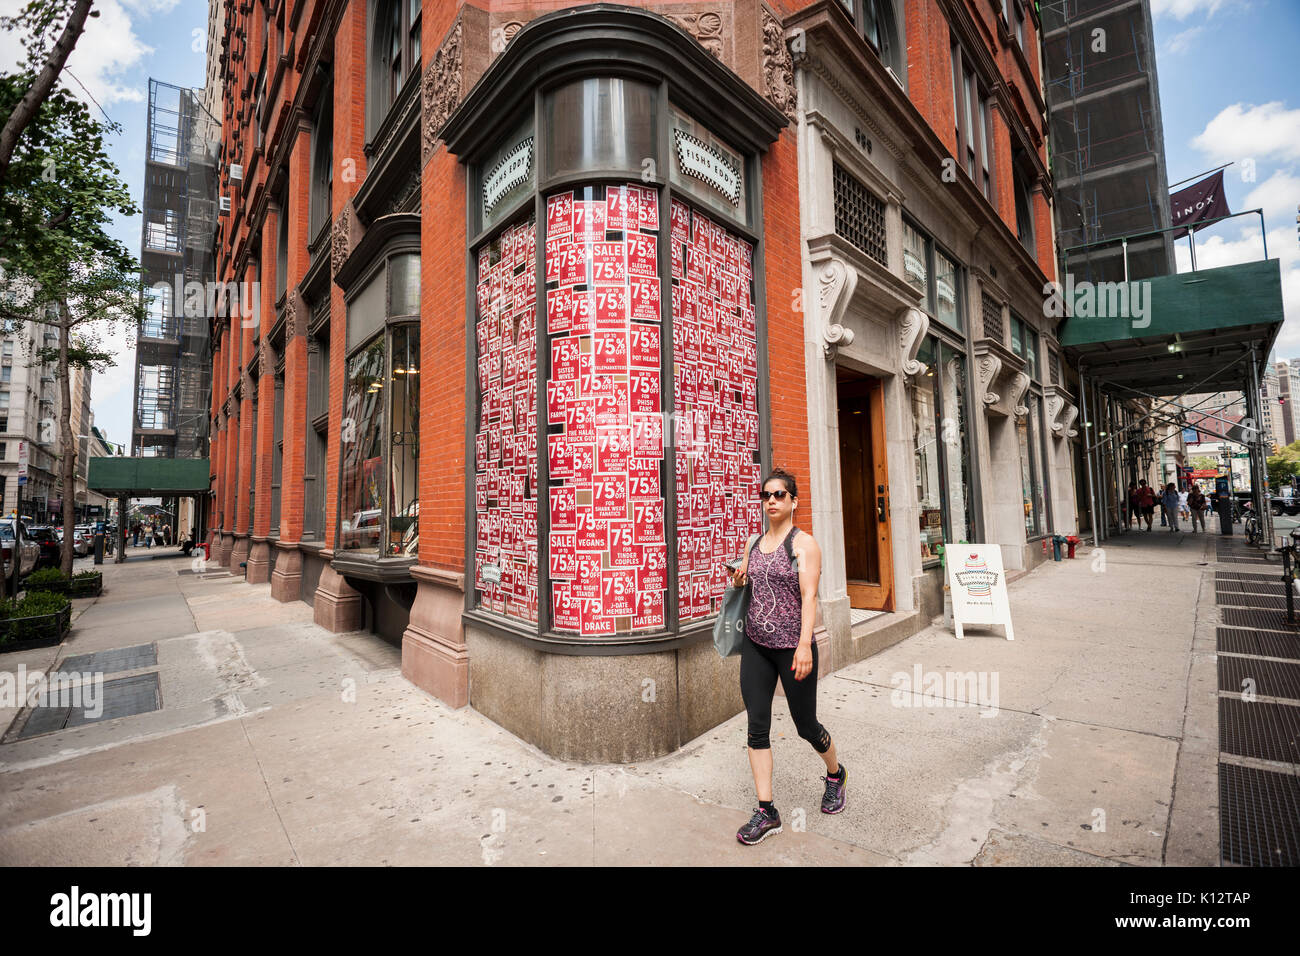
{"x":760,"y":826}
{"x":833,"y":798}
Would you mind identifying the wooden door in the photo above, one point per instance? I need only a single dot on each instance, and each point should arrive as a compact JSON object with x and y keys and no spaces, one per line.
{"x":864,"y":488}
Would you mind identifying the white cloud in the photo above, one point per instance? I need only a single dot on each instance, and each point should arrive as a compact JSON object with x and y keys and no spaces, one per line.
{"x":105,"y":52}
{"x":1182,"y":9}
{"x":1242,"y":131}
{"x":1182,"y":42}
{"x":1277,"y":196}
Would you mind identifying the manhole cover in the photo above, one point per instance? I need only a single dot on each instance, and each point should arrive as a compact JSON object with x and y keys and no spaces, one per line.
{"x":1259,"y":816}
{"x":124,"y":697}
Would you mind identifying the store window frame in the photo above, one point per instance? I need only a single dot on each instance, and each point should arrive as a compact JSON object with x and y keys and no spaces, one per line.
{"x":933,"y":252}
{"x":533,"y":200}
{"x":390,"y":238}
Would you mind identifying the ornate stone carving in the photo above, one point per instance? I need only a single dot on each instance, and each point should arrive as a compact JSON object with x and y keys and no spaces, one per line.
{"x":340,"y":242}
{"x":705,"y":27}
{"x":293,"y":324}
{"x":989,"y":367}
{"x":1018,"y":389}
{"x":912,"y":326}
{"x":778,"y":66}
{"x":1054,"y":405}
{"x":1067,"y":420}
{"x":835,"y":285}
{"x":442,"y":86}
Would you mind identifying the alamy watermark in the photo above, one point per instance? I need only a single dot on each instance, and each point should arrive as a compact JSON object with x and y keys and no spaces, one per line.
{"x":83,"y":691}
{"x":945,"y":689}
{"x":1099,"y":300}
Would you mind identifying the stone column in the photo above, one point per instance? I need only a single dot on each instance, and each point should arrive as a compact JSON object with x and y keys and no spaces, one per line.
{"x":434,"y":655}
{"x":337,"y":606}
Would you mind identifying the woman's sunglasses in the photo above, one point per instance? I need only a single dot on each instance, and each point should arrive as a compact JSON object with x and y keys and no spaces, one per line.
{"x":778,"y":495}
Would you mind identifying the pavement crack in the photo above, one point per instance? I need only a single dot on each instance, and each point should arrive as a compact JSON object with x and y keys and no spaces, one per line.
{"x":269,"y":795}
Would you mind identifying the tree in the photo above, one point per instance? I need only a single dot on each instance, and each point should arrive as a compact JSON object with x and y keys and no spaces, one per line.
{"x":58,"y":264}
{"x":1280,"y":470}
{"x":41,"y":19}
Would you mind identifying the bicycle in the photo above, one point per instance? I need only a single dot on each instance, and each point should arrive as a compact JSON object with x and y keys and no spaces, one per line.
{"x":1254,"y":530}
{"x":1288,"y":553}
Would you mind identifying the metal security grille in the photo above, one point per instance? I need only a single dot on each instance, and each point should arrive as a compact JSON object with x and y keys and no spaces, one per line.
{"x":859,"y":216}
{"x":1054,"y":364}
{"x":992,"y":310}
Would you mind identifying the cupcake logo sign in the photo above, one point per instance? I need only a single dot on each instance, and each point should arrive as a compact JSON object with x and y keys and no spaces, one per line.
{"x":979,"y":588}
{"x":976,"y":577}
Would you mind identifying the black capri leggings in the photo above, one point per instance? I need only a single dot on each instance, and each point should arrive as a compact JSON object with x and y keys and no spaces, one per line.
{"x":759,"y":669}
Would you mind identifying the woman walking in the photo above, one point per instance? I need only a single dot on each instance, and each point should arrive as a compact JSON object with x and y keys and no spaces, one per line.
{"x":1134,"y":505}
{"x":1147,"y":499}
{"x":1170,"y":502}
{"x":783,"y":567}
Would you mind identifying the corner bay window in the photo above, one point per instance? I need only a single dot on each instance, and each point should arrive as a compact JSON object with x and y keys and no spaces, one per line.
{"x":378,"y":501}
{"x":607,"y":447}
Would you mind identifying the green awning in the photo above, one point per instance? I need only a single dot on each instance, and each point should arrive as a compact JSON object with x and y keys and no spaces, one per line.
{"x":149,"y":477}
{"x":1180,"y":332}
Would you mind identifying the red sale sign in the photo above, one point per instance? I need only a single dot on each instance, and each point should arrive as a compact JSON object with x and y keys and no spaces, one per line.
{"x":680,"y":222}
{"x":564,"y":556}
{"x":559,"y":310}
{"x":561,"y":456}
{"x":623,"y":552}
{"x":613,"y":450}
{"x":620,"y":203}
{"x":642,"y":257}
{"x":618,"y":592}
{"x":608,"y":263}
{"x":611,"y":306}
{"x":643,"y":389}
{"x":649,"y":610}
{"x":648,"y":521}
{"x":589,"y":220}
{"x":564,"y":359}
{"x":652,"y":572}
{"x":648,"y":436}
{"x":558,"y":395}
{"x":559,"y":215}
{"x":566,"y":611}
{"x":643,"y":346}
{"x":643,"y":295}
{"x":573,"y":264}
{"x":647,"y":210}
{"x":643,"y":479}
{"x":609,"y":496}
{"x":609,"y":352}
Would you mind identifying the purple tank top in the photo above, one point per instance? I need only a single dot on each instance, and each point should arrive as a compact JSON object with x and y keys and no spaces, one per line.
{"x":775,"y":601}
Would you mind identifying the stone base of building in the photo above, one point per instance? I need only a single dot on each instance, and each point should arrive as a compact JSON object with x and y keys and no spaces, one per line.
{"x":338,"y":606}
{"x":434,"y":656}
{"x":259,"y":561}
{"x":239,"y":553}
{"x":227,"y":544}
{"x":609,"y":709}
{"x":287,"y":576}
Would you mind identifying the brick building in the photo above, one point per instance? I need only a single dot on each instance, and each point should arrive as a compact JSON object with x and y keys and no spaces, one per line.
{"x":604,"y":266}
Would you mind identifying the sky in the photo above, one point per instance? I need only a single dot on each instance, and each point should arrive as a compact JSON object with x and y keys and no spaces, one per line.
{"x":1228,"y":93}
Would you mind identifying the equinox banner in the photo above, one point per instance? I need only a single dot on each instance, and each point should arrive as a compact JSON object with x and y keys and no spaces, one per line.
{"x":1199,"y":202}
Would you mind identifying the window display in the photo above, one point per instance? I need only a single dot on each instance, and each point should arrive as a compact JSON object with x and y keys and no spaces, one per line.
{"x":505,"y":443}
{"x":715,"y":356}
{"x":605,"y":437}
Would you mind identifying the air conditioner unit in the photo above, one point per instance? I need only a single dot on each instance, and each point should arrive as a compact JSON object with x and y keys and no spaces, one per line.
{"x":236,"y":173}
{"x":225,"y":204}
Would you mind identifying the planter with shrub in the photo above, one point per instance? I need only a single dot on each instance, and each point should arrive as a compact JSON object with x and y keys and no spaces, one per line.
{"x":81,"y":584}
{"x":41,"y":619}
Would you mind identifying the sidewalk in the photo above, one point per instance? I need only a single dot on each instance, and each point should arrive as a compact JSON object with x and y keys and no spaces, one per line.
{"x":279,"y":743}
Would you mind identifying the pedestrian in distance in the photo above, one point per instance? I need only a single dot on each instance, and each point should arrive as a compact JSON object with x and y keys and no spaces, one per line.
{"x":1183,"y":511}
{"x":1197,"y":504}
{"x":1170,"y":503}
{"x":1134,"y":505}
{"x":782,"y":567}
{"x":1147,"y":499}
{"x":135,"y":534}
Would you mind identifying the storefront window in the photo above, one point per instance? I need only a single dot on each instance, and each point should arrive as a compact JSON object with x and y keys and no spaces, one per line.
{"x":379,"y":431}
{"x":608,"y":553}
{"x":945,"y":288}
{"x":941,"y":444}
{"x":925,"y":442}
{"x":915,"y":257}
{"x":715,"y":356}
{"x":955,"y":440}
{"x":505,"y":442}
{"x":1030,"y":478}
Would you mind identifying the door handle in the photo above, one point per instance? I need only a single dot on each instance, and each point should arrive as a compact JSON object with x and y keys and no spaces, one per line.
{"x":881,"y":509}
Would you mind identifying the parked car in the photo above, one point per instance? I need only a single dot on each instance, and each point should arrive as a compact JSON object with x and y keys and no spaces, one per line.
{"x":51,"y":549}
{"x":14,"y":540}
{"x":83,"y":541}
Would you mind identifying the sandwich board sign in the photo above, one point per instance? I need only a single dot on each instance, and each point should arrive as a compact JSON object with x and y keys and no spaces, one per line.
{"x":979,"y":587}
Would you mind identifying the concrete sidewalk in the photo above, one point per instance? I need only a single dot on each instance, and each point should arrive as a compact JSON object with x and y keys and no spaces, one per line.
{"x":279,"y":743}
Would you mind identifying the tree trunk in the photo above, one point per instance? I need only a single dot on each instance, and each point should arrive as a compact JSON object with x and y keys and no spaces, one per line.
{"x":69,"y":459}
{"x":39,"y":91}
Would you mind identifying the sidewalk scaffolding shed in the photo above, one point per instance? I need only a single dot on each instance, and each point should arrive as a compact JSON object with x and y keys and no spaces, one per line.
{"x":125,"y":478}
{"x":1205,"y":331}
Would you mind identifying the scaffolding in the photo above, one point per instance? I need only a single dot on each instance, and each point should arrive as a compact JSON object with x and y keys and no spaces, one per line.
{"x":173,"y":351}
{"x":1107,"y":137}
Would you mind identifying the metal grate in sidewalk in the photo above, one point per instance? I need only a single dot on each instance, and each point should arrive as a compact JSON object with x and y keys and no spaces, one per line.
{"x":1259,"y":816}
{"x":1269,"y":678}
{"x":1259,"y":729}
{"x":1236,"y":640}
{"x":1257,"y":618}
{"x":124,"y":697}
{"x":110,"y":662}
